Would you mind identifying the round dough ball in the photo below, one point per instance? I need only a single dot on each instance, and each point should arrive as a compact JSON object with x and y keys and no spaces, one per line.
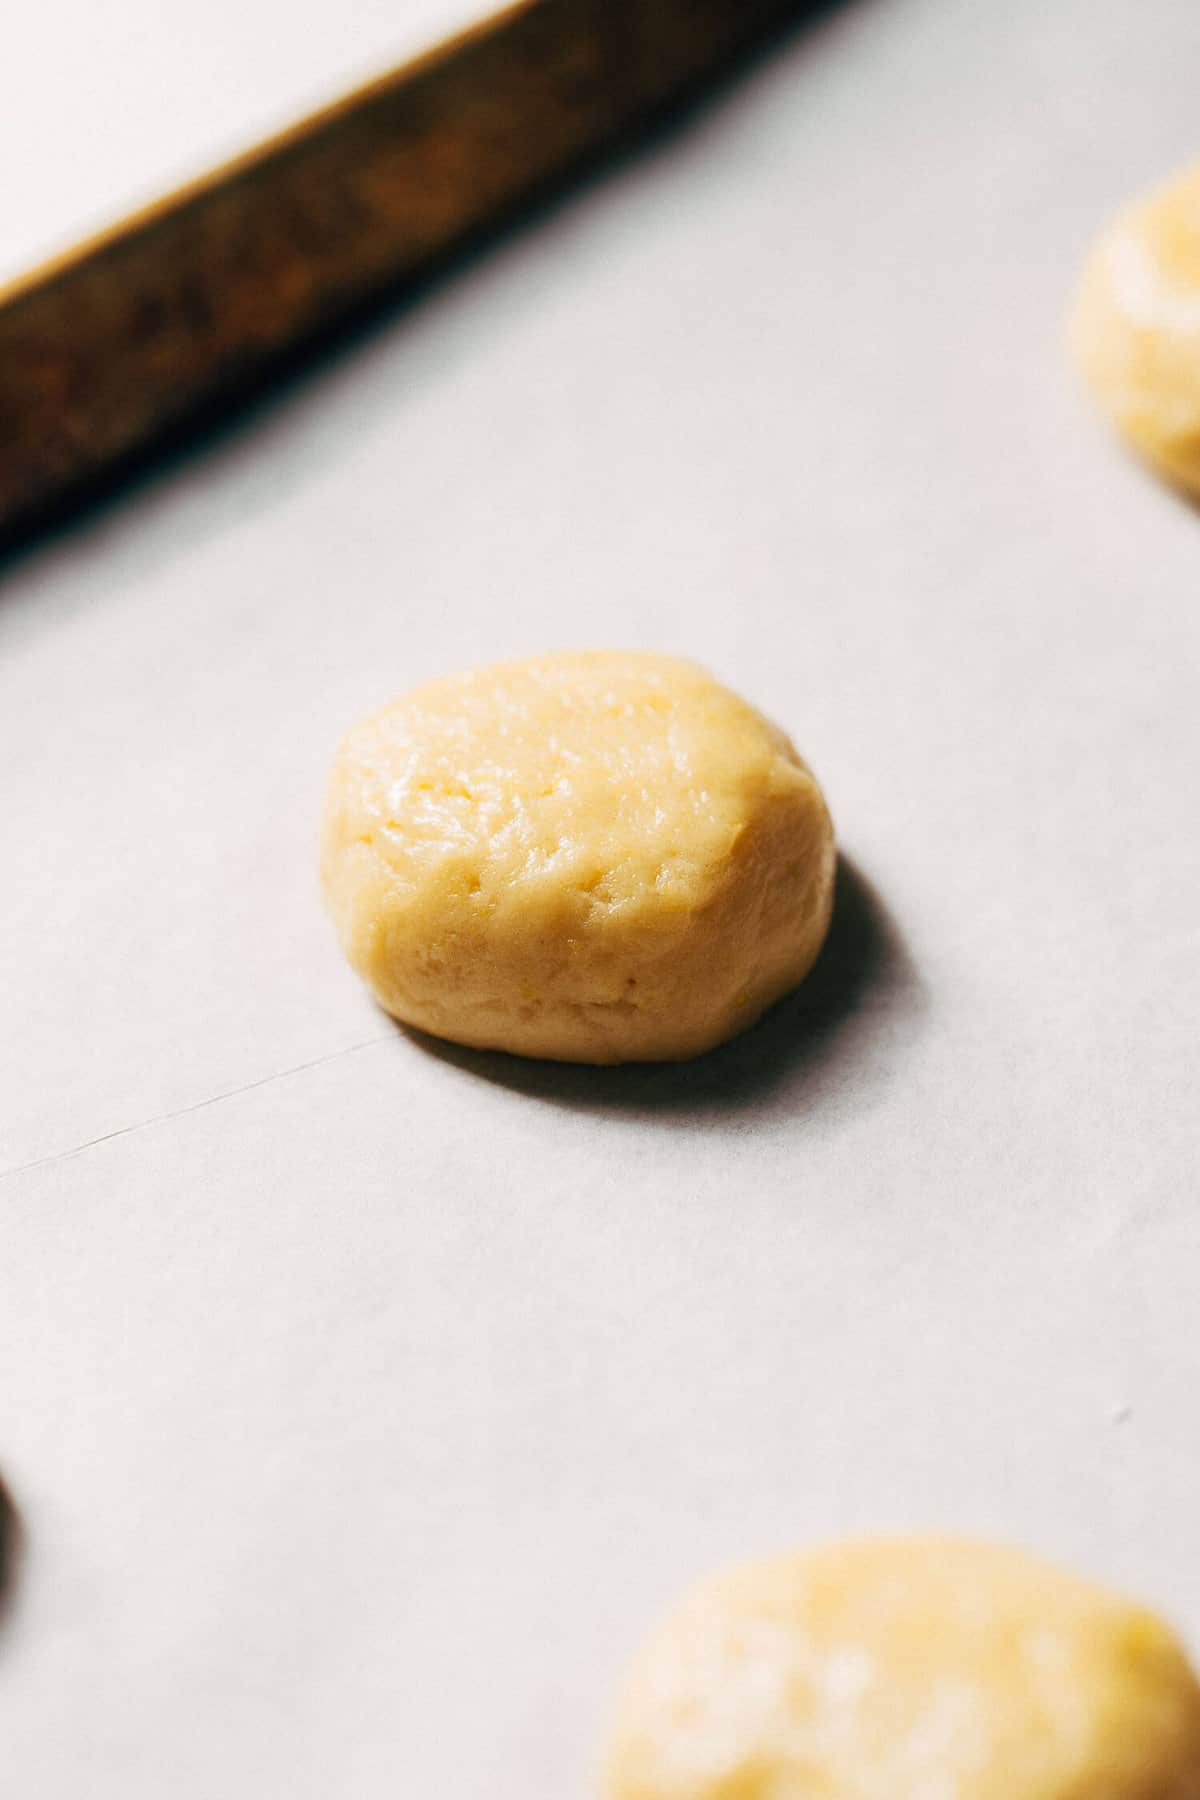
{"x":594,"y":856}
{"x":907,"y":1670}
{"x":1136,"y":330}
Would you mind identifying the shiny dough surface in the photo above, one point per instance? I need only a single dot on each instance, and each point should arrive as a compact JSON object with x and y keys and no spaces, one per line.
{"x":1136,"y":327}
{"x":907,"y":1670}
{"x":594,"y":856}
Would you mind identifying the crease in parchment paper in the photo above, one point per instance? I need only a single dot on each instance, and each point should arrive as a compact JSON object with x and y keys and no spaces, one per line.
{"x":178,"y":1112}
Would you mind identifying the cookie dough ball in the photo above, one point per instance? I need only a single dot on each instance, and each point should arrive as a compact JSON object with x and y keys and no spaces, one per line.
{"x":594,"y":856}
{"x":919,"y":1670}
{"x":1136,"y":329}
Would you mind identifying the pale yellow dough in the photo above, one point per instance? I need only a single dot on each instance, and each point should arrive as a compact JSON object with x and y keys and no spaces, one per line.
{"x":907,"y":1670}
{"x":1136,"y":328}
{"x":596,"y":856}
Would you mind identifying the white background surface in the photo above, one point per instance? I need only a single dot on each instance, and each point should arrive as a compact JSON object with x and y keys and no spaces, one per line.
{"x":106,"y":106}
{"x":361,"y":1403}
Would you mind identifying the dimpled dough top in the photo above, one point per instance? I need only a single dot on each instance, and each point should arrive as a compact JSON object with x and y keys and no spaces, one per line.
{"x":1136,"y":329}
{"x":594,"y":856}
{"x":920,"y":1670}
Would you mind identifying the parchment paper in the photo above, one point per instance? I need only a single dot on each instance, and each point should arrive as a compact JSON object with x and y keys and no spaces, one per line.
{"x":362,"y":1402}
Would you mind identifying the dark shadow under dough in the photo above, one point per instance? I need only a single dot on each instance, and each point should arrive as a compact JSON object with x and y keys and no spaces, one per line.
{"x":840,"y":1032}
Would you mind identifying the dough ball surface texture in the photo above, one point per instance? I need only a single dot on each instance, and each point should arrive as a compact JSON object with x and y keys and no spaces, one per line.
{"x":910,"y":1670}
{"x":1136,"y":329}
{"x":595,"y":856}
